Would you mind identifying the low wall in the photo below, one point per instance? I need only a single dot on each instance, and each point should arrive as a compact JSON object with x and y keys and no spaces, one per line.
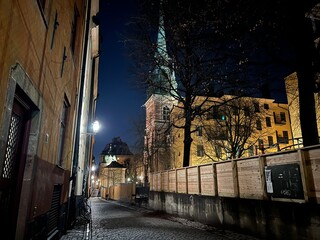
{"x":275,"y":196}
{"x":260,"y":218}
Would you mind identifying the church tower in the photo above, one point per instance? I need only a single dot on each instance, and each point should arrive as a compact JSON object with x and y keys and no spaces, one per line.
{"x":162,"y":94}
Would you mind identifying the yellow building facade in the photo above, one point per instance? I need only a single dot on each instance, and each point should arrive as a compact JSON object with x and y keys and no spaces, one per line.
{"x":266,"y":125}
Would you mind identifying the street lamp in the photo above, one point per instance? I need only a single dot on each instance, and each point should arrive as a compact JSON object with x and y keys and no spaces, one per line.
{"x":95,"y":126}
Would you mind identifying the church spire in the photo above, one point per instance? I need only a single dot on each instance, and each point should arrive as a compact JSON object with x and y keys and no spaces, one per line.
{"x":161,"y":41}
{"x":164,"y":81}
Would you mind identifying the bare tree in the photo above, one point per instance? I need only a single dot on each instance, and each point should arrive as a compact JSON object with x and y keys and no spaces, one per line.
{"x":236,"y":128}
{"x":212,"y":47}
{"x":187,"y":55}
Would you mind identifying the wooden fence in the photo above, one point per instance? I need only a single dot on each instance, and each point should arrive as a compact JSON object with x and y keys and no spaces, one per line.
{"x":249,"y":177}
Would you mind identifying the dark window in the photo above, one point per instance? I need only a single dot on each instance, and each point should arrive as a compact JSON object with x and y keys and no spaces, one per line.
{"x":200,"y":151}
{"x":42,"y":7}
{"x":197,"y":110}
{"x":166,"y":113}
{"x":64,"y":58}
{"x":282,"y":117}
{"x":256,"y":107}
{"x":199,"y":131}
{"x":260,"y":143}
{"x":259,"y":127}
{"x":246,"y":111}
{"x":268,"y":121}
{"x":235,"y":110}
{"x":270,"y":140}
{"x":63,"y":124}
{"x":74,"y":29}
{"x":55,"y":26}
{"x":285,"y":134}
{"x":266,"y":106}
{"x":250,"y":150}
{"x":218,"y":151}
{"x":215,"y":112}
{"x":42,"y":4}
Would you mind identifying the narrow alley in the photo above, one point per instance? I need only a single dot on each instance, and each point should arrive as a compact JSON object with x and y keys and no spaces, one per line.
{"x":112,"y":220}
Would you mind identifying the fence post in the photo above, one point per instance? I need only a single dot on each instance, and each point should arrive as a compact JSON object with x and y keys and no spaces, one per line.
{"x":304,"y":174}
{"x":215,"y":179}
{"x":176,"y":181}
{"x":199,"y":180}
{"x":235,"y":178}
{"x":186,"y":181}
{"x":262,"y":164}
{"x":168,"y":183}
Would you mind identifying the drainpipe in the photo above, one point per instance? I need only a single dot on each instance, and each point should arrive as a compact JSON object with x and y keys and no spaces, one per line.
{"x":73,"y":173}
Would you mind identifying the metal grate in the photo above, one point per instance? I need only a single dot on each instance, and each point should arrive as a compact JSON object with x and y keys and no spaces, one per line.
{"x":53,"y":214}
{"x":9,"y":163}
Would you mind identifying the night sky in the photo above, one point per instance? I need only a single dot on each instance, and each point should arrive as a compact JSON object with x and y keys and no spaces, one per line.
{"x":120,"y":101}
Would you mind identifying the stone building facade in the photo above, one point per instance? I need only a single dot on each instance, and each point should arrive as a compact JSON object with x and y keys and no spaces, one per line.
{"x":44,"y":44}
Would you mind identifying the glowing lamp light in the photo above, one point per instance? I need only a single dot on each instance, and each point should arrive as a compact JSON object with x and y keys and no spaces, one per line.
{"x":95,"y":126}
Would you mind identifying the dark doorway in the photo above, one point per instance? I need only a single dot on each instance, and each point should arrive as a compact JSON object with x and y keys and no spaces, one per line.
{"x":14,"y":164}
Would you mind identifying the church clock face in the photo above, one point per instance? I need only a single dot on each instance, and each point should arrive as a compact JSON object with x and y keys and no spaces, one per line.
{"x":109,"y":159}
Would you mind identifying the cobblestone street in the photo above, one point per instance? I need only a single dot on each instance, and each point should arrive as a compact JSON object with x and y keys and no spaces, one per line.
{"x":111,"y":220}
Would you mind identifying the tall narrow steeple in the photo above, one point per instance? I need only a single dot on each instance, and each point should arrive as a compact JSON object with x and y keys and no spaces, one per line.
{"x":161,"y":40}
{"x":163,"y":77}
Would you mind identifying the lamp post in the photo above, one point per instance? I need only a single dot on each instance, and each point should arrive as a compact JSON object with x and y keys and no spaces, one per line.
{"x":92,"y":182}
{"x":93,"y":129}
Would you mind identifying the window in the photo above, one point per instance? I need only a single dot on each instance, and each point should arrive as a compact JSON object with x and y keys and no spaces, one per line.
{"x":260,"y":144}
{"x":268,"y":121}
{"x":259,"y":127}
{"x":270,"y":140}
{"x":55,"y":26}
{"x":285,"y":134}
{"x":250,"y":151}
{"x":42,"y":4}
{"x":166,"y":113}
{"x":199,"y":131}
{"x":197,"y":110}
{"x":64,"y":58}
{"x":235,"y":110}
{"x":44,"y":10}
{"x":246,"y":111}
{"x":282,"y":117}
{"x":63,"y":124}
{"x":74,"y":29}
{"x":256,"y":107}
{"x":200,"y":151}
{"x":266,"y":106}
{"x":218,"y":151}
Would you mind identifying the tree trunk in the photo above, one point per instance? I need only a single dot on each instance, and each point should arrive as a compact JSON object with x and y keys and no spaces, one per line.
{"x":187,"y":141}
{"x":305,"y":72}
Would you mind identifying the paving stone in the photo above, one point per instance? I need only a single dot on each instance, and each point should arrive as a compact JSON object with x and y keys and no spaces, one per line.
{"x":116,"y":221}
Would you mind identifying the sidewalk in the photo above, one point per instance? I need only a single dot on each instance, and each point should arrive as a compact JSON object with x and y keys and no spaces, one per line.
{"x":82,"y":230}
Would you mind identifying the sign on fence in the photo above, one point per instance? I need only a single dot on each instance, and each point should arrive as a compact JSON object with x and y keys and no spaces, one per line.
{"x":284,"y":181}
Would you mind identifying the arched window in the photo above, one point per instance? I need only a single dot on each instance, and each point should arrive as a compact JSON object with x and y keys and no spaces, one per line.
{"x":166,"y":113}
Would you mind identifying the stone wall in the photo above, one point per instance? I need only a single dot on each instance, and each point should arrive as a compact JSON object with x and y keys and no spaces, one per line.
{"x":260,"y":218}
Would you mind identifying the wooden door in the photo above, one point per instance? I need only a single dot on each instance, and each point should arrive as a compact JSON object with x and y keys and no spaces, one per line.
{"x":13,"y":167}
